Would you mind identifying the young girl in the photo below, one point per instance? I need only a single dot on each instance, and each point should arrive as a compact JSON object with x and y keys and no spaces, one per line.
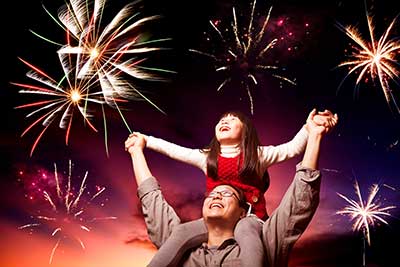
{"x":234,"y":156}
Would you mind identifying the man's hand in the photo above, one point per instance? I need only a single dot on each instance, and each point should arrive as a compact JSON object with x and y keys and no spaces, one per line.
{"x":135,"y":144}
{"x":321,"y":122}
{"x":135,"y":141}
{"x":315,"y":134}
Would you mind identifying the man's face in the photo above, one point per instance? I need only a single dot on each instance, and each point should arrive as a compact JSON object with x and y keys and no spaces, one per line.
{"x":223,"y":204}
{"x":228,"y":130}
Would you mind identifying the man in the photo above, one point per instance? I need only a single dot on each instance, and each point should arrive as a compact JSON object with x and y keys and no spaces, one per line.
{"x":223,"y":208}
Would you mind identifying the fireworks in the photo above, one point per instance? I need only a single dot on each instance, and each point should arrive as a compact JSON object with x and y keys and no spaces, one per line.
{"x":246,"y":55}
{"x":100,"y":64}
{"x":61,"y":101}
{"x":375,"y":58}
{"x":364,"y":213}
{"x":100,"y":50}
{"x":68,"y":214}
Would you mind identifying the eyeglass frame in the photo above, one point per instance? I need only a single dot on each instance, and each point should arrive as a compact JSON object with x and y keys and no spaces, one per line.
{"x":213,"y":194}
{"x":247,"y":206}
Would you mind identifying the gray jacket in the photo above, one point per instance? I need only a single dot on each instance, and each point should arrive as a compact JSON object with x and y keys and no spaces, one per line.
{"x":280,"y":231}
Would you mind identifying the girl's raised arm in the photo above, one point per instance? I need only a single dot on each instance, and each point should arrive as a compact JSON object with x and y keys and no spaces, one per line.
{"x":190,"y":156}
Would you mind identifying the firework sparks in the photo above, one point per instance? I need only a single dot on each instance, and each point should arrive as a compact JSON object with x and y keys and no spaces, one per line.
{"x":68,"y":215}
{"x":366,"y":213}
{"x":100,"y":50}
{"x":60,"y":100}
{"x":393,"y":145}
{"x":246,"y":55}
{"x":94,"y":64}
{"x":375,"y":58}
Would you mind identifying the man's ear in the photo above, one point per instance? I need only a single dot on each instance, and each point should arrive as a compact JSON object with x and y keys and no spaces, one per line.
{"x":243,"y":214}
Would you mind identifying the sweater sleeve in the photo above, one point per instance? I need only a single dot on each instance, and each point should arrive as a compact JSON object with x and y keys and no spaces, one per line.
{"x":274,"y":154}
{"x":190,"y":156}
{"x":292,"y":217}
{"x":159,"y":216}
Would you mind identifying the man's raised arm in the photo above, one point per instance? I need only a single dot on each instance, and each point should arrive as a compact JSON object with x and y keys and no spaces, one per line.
{"x":135,"y":145}
{"x":291,"y":218}
{"x":159,"y":216}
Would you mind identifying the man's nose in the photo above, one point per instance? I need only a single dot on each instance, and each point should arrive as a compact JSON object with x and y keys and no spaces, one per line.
{"x":218,"y":195}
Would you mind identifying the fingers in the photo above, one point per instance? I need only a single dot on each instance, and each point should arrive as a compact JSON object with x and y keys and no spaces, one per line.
{"x":312,"y":114}
{"x":332,"y":122}
{"x":324,"y":118}
{"x":321,"y":120}
{"x":336,"y":118}
{"x":128,"y":143}
{"x":134,"y":134}
{"x":328,"y":113}
{"x":325,"y":113}
{"x":131,"y":140}
{"x":137,"y":140}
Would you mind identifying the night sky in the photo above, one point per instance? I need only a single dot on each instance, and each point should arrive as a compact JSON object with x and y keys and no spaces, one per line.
{"x":363,"y":147}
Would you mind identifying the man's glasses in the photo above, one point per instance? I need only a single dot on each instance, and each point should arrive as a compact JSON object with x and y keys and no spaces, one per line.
{"x":223,"y":193}
{"x":228,"y":193}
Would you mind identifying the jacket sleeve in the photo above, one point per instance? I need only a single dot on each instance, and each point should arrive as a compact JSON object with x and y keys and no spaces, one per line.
{"x":291,"y":218}
{"x":159,"y":216}
{"x":274,"y":154}
{"x":190,"y":156}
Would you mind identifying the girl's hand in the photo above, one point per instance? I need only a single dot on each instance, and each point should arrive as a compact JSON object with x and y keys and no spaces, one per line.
{"x":135,"y":141}
{"x":312,"y":127}
{"x":323,"y":119}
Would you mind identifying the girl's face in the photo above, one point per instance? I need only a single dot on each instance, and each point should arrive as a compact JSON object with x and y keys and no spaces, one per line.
{"x":228,"y":130}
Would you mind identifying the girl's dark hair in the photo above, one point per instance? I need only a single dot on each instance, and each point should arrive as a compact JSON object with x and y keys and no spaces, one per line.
{"x":251,"y":166}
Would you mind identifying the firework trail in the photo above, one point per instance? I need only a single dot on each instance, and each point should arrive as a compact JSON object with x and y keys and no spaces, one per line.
{"x":60,"y":100}
{"x":68,"y":215}
{"x":245,"y":53}
{"x":376,"y":58}
{"x":365,"y":214}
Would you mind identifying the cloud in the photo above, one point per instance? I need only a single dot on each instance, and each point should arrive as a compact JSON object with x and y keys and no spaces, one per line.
{"x":140,"y":242}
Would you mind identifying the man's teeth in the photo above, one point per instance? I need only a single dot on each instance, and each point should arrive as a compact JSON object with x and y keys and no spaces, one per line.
{"x":216,"y":205}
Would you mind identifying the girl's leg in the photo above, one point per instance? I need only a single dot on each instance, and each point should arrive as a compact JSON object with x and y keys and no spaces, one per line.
{"x":184,"y":237}
{"x":248,"y":235}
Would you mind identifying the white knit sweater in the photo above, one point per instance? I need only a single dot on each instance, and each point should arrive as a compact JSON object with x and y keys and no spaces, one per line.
{"x":268,"y":154}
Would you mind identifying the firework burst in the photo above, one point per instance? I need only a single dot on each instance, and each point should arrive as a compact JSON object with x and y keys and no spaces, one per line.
{"x":101,"y":64}
{"x":245,"y":53}
{"x":109,"y":52}
{"x":61,"y":100}
{"x":375,"y":59}
{"x":68,"y":214}
{"x":365,"y":214}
